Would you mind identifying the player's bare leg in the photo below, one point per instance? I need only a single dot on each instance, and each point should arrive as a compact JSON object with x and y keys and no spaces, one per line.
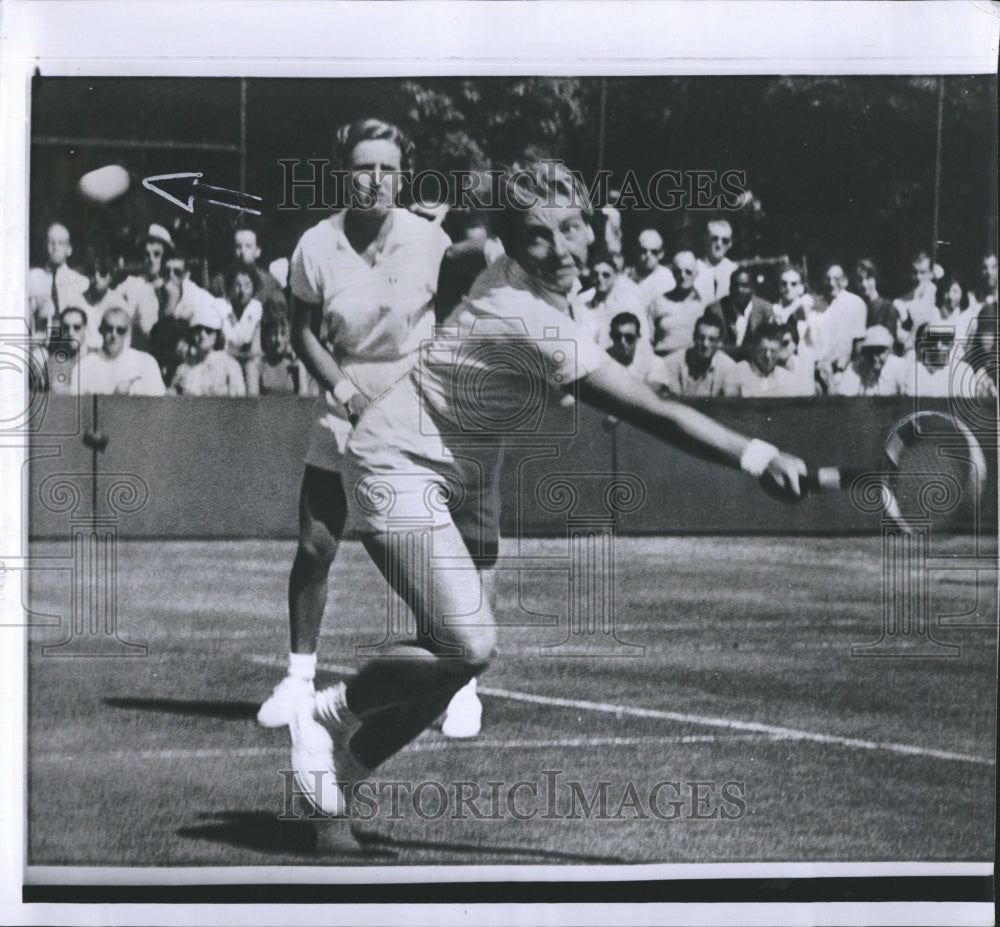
{"x":464,"y":716}
{"x":396,"y":696}
{"x":322,"y":516}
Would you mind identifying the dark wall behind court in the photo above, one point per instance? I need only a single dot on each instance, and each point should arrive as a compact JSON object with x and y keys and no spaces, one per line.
{"x":224,"y":468}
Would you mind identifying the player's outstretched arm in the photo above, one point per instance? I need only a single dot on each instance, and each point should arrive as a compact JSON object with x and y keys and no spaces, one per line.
{"x":612,"y":389}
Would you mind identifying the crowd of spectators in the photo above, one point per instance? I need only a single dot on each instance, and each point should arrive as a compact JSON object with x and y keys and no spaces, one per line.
{"x":702,"y":329}
{"x":152,"y":330}
{"x":688,"y":325}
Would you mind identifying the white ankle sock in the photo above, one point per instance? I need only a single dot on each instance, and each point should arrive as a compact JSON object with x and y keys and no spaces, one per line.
{"x":302,"y":666}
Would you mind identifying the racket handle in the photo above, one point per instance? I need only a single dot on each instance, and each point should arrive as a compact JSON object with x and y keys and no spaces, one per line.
{"x":823,"y":479}
{"x":819,"y":479}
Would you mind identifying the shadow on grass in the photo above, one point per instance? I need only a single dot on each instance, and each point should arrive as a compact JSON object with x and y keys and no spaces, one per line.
{"x":264,"y":832}
{"x":372,"y":841}
{"x":227,"y":711}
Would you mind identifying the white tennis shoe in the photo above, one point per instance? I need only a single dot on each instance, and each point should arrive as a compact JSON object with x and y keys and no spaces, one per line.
{"x":340,"y":723}
{"x":280,"y":706}
{"x":312,"y":761}
{"x":464,"y":716}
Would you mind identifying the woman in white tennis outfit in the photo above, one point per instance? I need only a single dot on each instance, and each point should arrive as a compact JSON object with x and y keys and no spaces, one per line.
{"x":424,"y":460}
{"x":363,"y":283}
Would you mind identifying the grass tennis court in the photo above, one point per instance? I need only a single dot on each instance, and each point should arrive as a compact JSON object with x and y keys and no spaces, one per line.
{"x":775,"y":743}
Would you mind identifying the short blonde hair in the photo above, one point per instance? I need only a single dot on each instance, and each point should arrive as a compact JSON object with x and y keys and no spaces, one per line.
{"x":536,"y":183}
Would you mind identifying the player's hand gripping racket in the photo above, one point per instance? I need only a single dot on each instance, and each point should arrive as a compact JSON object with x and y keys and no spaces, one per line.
{"x":931,"y":467}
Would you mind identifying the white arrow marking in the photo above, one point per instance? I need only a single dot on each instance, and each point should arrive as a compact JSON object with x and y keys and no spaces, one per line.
{"x":147,"y":182}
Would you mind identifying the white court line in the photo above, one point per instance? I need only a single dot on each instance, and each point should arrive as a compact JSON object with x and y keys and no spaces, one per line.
{"x":781,"y":733}
{"x":418,"y":747}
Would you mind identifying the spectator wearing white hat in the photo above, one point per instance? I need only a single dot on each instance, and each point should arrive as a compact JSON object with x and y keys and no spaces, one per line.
{"x":876,"y":371}
{"x":141,"y":292}
{"x":206,"y":371}
{"x":937,"y":369}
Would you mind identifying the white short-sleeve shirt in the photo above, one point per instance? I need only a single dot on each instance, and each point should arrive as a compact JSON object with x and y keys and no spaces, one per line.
{"x":374,"y":315}
{"x":482,"y":378}
{"x":132,"y":373}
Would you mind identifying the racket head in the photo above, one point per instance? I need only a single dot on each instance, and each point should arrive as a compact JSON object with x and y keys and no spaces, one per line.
{"x":933,"y":473}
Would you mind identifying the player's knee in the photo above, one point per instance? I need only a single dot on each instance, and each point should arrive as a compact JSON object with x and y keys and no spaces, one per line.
{"x":480,"y":648}
{"x":317,"y":548}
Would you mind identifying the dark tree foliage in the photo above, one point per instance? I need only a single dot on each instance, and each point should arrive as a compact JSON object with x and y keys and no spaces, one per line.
{"x":839,"y":166}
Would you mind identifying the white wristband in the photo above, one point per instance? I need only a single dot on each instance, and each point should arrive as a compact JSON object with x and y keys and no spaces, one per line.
{"x":756,"y":457}
{"x":343,"y":391}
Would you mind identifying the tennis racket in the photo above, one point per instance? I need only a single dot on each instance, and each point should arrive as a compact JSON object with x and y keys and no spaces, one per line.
{"x":932,"y":470}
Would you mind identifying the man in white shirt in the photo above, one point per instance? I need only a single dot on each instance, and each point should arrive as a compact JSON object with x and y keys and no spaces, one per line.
{"x":612,"y":293}
{"x":182,"y":297}
{"x":56,"y":285}
{"x":118,"y":369}
{"x":715,"y":269}
{"x":876,"y":371}
{"x":672,"y":316}
{"x":837,"y":321}
{"x":701,"y":370}
{"x":651,"y":276}
{"x":242,"y":315}
{"x":936,"y":369}
{"x":761,"y":375}
{"x":624,"y":334}
{"x":141,"y":292}
{"x":918,"y":306}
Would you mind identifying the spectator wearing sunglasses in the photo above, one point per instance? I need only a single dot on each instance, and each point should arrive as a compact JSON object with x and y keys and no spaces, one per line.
{"x":117,"y":368}
{"x":65,"y":350}
{"x":652,"y":278}
{"x":143,"y":291}
{"x":715,"y":269}
{"x":611,"y":293}
{"x":793,"y":300}
{"x":624,"y":335}
{"x":875,"y":371}
{"x":182,"y":297}
{"x":937,"y":369}
{"x":207,"y":371}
